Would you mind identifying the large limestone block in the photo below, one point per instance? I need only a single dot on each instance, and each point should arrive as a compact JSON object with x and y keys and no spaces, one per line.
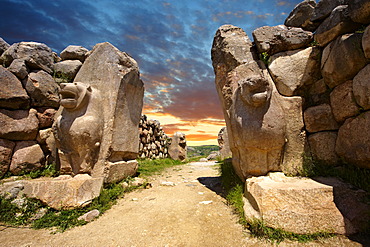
{"x":318,"y":93}
{"x":177,"y":149}
{"x":27,"y":157}
{"x":322,"y":145}
{"x":223,"y":143}
{"x":12,"y":94}
{"x":117,"y":171}
{"x":6,"y":152}
{"x":353,"y":140}
{"x":324,"y":8}
{"x":336,"y":24}
{"x":280,"y":38}
{"x":366,"y":42}
{"x":18,"y":125}
{"x":319,"y":118}
{"x":343,"y":103}
{"x":359,"y":11}
{"x":104,"y":105}
{"x":342,"y":59}
{"x":306,"y":70}
{"x":45,"y":117}
{"x":67,"y":69}
{"x":36,"y":55}
{"x":74,"y":52}
{"x":299,"y":205}
{"x":19,"y":68}
{"x":3,"y":46}
{"x":42,"y":89}
{"x":64,"y":192}
{"x":361,"y":88}
{"x":301,"y":15}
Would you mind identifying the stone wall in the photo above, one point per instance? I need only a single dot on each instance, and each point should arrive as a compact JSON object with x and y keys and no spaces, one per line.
{"x":153,"y":141}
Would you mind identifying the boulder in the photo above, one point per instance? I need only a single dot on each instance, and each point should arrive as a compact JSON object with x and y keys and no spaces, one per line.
{"x":6,"y":152}
{"x":343,"y":103}
{"x":318,"y":93}
{"x":290,"y":79}
{"x":322,"y":145}
{"x":3,"y":46}
{"x":353,"y":141}
{"x":27,"y":157}
{"x":45,"y":117}
{"x":12,"y":94}
{"x":324,"y":8}
{"x":67,"y":69}
{"x":361,"y":88}
{"x":336,"y":70}
{"x":319,"y":118}
{"x":36,"y":55}
{"x":19,"y":68}
{"x":177,"y":149}
{"x":301,"y":15}
{"x":18,"y":125}
{"x":366,"y":42}
{"x":223,"y":143}
{"x":295,"y":204}
{"x":105,"y":98}
{"x":117,"y":171}
{"x":336,"y":24}
{"x":74,"y":52}
{"x":359,"y":10}
{"x":280,"y":38}
{"x":42,"y":89}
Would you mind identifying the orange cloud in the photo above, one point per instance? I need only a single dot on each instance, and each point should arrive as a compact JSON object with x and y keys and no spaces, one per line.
{"x":200,"y":137}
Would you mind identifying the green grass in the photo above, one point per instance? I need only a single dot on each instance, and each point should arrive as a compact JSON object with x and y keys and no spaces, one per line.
{"x":201,"y":151}
{"x":149,"y":167}
{"x":234,"y":189}
{"x":264,"y":57}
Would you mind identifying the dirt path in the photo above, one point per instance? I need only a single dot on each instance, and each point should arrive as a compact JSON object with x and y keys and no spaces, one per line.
{"x":185,"y":212}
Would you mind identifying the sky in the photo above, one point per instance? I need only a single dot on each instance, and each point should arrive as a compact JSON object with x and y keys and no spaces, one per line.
{"x":170,"y":40}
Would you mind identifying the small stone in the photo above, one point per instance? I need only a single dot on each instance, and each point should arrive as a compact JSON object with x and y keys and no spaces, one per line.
{"x":137,"y":182}
{"x":90,"y":216}
{"x":205,"y":202}
{"x":167,"y":183}
{"x":203,"y":160}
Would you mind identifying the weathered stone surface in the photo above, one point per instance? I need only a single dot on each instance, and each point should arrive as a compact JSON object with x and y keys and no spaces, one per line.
{"x":343,"y":103}
{"x":319,"y":118}
{"x":299,"y":205}
{"x":27,"y":157}
{"x":42,"y":89}
{"x":223,"y":143}
{"x":336,"y":70}
{"x":3,"y":46}
{"x":336,"y":24}
{"x":306,"y":70}
{"x":88,"y":127}
{"x":18,"y":125}
{"x":46,"y":140}
{"x":301,"y":15}
{"x":19,"y":68}
{"x":353,"y":140}
{"x":213,"y":155}
{"x":117,"y":171}
{"x":12,"y":94}
{"x":324,"y":8}
{"x":11,"y":189}
{"x":36,"y":55}
{"x":322,"y":145}
{"x":45,"y":117}
{"x":366,"y":42}
{"x":359,"y":10}
{"x":177,"y":149}
{"x":90,"y":216}
{"x":74,"y":52}
{"x":361,"y":87}
{"x":67,"y":69}
{"x":78,"y":191}
{"x":6,"y":152}
{"x":319,"y":93}
{"x":280,"y":38}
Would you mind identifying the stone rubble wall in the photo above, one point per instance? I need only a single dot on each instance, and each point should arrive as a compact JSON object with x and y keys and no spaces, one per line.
{"x":154,"y":142}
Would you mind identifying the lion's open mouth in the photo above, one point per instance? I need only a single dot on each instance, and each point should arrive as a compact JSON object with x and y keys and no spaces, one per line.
{"x":68,"y":98}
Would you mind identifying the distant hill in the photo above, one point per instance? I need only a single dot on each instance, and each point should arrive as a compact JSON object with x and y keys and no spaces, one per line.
{"x":204,"y":150}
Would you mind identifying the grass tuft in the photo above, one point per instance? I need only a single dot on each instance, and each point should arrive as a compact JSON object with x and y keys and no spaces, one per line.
{"x":149,"y":167}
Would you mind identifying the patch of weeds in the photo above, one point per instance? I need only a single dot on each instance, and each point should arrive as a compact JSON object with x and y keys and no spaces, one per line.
{"x":264,"y":57}
{"x":314,"y":43}
{"x":149,"y":167}
{"x":361,"y":29}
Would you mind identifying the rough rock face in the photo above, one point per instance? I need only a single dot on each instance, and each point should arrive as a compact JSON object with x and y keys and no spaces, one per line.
{"x":318,"y":93}
{"x":223,"y":143}
{"x":12,"y":94}
{"x":18,"y":125}
{"x":322,"y":146}
{"x":45,"y":117}
{"x":67,"y":69}
{"x":353,"y":140}
{"x":324,"y":8}
{"x":361,"y":88}
{"x":3,"y":46}
{"x":301,"y":15}
{"x":319,"y":118}
{"x":177,"y":149}
{"x":6,"y":152}
{"x":36,"y":55}
{"x":299,"y":205}
{"x":280,"y":38}
{"x":289,"y":79}
{"x":86,"y":143}
{"x":117,"y":171}
{"x":359,"y":11}
{"x":27,"y":157}
{"x":74,"y":52}
{"x":337,"y":70}
{"x":19,"y":68}
{"x":366,"y":42}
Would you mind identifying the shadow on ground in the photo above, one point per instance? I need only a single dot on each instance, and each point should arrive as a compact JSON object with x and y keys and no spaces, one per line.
{"x":213,"y":183}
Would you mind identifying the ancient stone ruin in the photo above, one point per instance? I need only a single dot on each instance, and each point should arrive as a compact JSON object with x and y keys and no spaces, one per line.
{"x":300,"y":89}
{"x":153,"y":141}
{"x":223,"y":144}
{"x":177,"y":149}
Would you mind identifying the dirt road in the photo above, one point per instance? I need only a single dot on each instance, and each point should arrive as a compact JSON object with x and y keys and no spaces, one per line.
{"x":181,"y":209}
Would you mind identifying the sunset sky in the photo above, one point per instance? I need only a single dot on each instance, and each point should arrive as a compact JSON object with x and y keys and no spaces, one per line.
{"x":170,"y":40}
